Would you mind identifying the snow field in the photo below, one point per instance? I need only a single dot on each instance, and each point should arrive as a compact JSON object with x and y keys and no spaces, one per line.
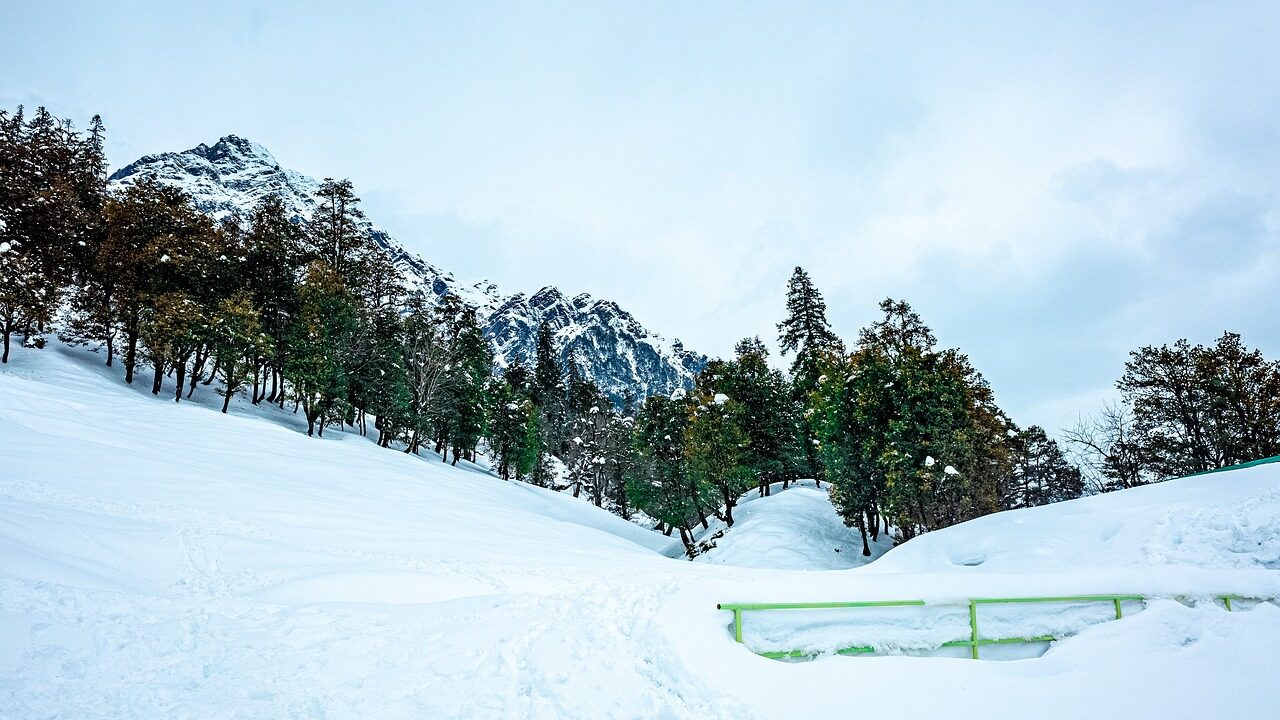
{"x":162,"y":560}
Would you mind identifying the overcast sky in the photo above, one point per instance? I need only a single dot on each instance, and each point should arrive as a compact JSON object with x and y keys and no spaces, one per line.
{"x":1050,"y":187}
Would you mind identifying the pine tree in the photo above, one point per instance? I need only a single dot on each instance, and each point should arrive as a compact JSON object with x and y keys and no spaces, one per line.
{"x":471,"y":367}
{"x":1040,"y":472}
{"x":547,"y":381}
{"x":807,"y":333}
{"x":510,"y":411}
{"x":237,"y":341}
{"x":717,"y":450}
{"x":271,"y":266}
{"x":143,"y":224}
{"x":659,"y":483}
{"x":334,"y":234}
{"x":910,"y":431}
{"x":548,"y":395}
{"x":51,"y":189}
{"x":767,"y":412}
{"x":320,"y":333}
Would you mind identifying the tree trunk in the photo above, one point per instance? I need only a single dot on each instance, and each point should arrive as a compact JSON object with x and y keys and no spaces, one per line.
{"x":197,"y":367}
{"x":182,"y":379}
{"x":130,"y":353}
{"x":214,"y":372}
{"x":226,"y":399}
{"x":158,"y":381}
{"x":687,"y":538}
{"x":5,"y":357}
{"x":272,"y":397}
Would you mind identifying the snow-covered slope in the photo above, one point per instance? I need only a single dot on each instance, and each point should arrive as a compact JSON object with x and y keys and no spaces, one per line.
{"x":623,"y":357}
{"x":162,"y":560}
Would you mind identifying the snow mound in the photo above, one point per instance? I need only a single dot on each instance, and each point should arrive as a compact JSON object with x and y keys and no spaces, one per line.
{"x":793,"y":529}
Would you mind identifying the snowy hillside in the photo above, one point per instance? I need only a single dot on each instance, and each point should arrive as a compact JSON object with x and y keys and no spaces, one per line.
{"x":164,"y":560}
{"x":616,"y":351}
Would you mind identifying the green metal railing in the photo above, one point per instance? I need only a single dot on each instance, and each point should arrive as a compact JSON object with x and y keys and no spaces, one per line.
{"x":975,"y":639}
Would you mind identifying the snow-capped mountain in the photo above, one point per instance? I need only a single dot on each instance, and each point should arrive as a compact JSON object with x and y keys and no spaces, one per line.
{"x":234,"y":174}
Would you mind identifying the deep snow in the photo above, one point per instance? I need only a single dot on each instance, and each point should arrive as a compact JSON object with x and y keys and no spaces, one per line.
{"x":162,"y":560}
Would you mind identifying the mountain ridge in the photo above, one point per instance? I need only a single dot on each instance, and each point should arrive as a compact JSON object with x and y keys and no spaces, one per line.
{"x":613,"y":349}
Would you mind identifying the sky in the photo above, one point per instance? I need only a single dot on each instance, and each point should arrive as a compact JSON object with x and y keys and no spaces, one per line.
{"x":1049,"y":185}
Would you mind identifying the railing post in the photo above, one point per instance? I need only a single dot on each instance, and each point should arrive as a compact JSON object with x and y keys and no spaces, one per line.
{"x":1119,"y":613}
{"x":973,"y":628}
{"x":737,"y":624}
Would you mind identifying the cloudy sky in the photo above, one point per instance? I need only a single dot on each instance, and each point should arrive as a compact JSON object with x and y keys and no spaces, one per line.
{"x":1049,"y":186}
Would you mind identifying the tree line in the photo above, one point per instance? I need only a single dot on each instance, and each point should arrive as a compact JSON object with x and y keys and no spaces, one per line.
{"x":309,"y":313}
{"x":1184,"y":409}
{"x":312,"y":314}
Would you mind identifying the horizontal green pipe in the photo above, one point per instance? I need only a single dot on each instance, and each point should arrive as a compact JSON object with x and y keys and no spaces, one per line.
{"x":1058,"y":599}
{"x":864,"y":649}
{"x":817,"y":605}
{"x":784,"y":654}
{"x":999,"y":641}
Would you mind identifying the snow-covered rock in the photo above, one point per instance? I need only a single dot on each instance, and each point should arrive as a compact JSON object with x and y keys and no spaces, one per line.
{"x":613,"y":349}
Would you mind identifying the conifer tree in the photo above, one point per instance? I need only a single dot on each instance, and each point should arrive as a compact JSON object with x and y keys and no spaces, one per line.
{"x":909,"y":431}
{"x":510,"y":413}
{"x":547,"y":380}
{"x":470,"y":369}
{"x":659,"y":483}
{"x":144,"y":224}
{"x":767,"y":414}
{"x":1040,"y":472}
{"x":808,"y":334}
{"x":322,"y":329}
{"x":717,"y":450}
{"x":237,"y":341}
{"x":271,"y":264}
{"x":51,"y":188}
{"x":334,"y":234}
{"x":805,"y":331}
